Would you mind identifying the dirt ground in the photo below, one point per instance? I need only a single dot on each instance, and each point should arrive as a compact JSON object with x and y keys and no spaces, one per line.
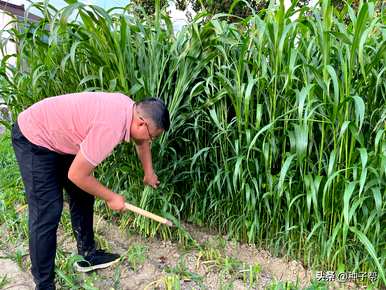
{"x":14,"y":277}
{"x":161,"y":256}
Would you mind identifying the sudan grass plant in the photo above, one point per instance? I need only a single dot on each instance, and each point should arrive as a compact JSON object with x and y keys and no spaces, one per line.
{"x":294,"y":113}
{"x":277,"y":123}
{"x":13,"y":216}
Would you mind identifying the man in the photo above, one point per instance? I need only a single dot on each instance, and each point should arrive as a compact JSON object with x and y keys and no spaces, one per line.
{"x":58,"y":142}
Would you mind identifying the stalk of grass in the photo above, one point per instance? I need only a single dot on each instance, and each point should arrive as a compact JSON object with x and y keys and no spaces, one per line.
{"x":278,"y":125}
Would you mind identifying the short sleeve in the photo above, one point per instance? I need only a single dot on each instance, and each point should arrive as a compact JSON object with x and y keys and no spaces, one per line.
{"x":99,"y":143}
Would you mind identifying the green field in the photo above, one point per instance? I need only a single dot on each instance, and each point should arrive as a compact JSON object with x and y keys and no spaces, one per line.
{"x":277,"y":125}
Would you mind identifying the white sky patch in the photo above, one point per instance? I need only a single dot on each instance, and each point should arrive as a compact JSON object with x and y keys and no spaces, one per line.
{"x":179,"y":17}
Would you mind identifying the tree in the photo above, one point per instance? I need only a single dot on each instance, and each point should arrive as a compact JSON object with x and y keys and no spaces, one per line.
{"x":240,"y":9}
{"x":181,"y":4}
{"x":149,"y":5}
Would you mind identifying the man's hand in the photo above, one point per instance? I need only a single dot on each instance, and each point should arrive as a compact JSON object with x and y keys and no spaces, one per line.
{"x":117,"y":202}
{"x":144,"y":155}
{"x":151,"y":179}
{"x":80,"y":173}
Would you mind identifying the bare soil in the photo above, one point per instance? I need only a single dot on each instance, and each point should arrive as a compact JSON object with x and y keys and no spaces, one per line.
{"x":14,"y":277}
{"x":161,"y":257}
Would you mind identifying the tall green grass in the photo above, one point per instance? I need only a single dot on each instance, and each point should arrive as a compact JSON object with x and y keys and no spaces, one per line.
{"x":13,"y":219}
{"x":277,"y":125}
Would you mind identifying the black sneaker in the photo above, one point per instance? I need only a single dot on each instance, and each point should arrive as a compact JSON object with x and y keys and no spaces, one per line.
{"x":98,"y":260}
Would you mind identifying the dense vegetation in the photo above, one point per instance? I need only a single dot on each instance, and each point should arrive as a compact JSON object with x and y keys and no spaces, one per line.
{"x":277,"y":125}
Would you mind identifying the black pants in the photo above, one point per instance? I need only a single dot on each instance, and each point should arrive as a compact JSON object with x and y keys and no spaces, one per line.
{"x":44,"y":174}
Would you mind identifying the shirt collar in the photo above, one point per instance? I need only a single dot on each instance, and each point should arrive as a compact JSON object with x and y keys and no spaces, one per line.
{"x":129,"y":119}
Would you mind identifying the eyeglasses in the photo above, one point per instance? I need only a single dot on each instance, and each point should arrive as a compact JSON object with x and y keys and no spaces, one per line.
{"x":147,"y":127}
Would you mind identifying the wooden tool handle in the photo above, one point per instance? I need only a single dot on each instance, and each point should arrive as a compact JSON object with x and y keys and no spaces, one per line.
{"x":147,"y":214}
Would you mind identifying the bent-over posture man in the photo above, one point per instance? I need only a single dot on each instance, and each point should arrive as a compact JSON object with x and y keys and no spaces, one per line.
{"x":58,"y":142}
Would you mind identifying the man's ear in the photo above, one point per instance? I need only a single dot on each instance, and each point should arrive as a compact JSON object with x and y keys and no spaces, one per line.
{"x":140,"y":122}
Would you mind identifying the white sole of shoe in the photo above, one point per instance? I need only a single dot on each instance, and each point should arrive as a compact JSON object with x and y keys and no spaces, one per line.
{"x":91,"y":268}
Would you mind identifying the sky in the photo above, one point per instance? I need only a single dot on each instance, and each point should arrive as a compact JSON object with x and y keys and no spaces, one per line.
{"x":178,"y":17}
{"x":175,"y":14}
{"x":61,"y":3}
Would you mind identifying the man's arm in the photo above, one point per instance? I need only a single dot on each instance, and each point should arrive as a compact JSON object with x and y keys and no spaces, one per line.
{"x":144,"y":155}
{"x":80,"y":173}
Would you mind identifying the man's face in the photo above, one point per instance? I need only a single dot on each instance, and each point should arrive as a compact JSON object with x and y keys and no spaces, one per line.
{"x":143,"y":129}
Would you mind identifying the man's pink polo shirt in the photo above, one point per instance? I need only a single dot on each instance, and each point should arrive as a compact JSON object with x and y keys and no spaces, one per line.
{"x":92,"y":122}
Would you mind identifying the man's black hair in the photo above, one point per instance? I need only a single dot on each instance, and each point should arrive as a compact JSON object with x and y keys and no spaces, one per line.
{"x":156,"y":110}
